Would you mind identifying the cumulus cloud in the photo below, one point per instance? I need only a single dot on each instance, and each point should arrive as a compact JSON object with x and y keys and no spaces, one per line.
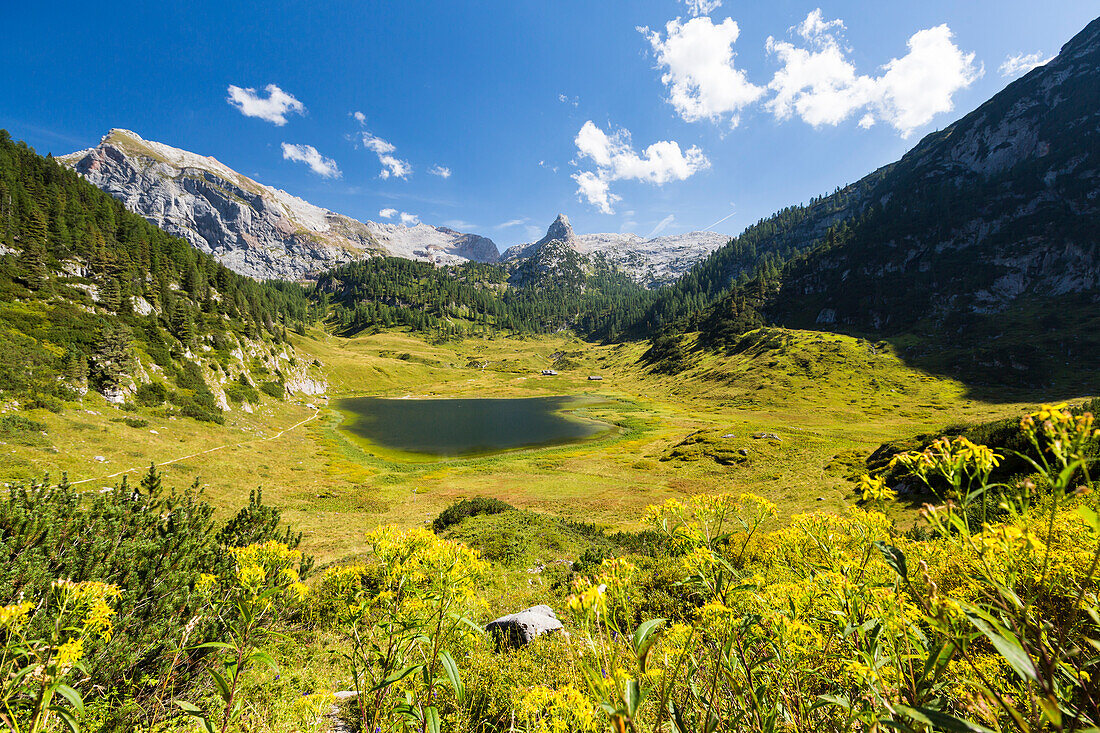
{"x":819,"y":83}
{"x":319,"y":164}
{"x":391,"y":165}
{"x":1022,"y":63}
{"x":565,"y":99}
{"x":273,"y":108}
{"x":359,"y":117}
{"x":662,"y":225}
{"x":441,"y":171}
{"x":409,"y":220}
{"x":615,"y":159}
{"x":387,"y":213}
{"x":700,"y":75}
{"x":702,"y":7}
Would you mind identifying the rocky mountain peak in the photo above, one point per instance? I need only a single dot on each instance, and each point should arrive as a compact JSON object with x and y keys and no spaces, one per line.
{"x":254,"y":229}
{"x":649,"y":262}
{"x":560,"y":230}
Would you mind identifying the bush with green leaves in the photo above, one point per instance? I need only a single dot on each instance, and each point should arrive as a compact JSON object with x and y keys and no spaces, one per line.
{"x":474,"y":507}
{"x":273,"y":389}
{"x":15,"y":428}
{"x":153,"y":394}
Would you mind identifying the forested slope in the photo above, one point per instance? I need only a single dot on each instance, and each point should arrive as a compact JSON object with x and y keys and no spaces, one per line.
{"x":92,"y":296}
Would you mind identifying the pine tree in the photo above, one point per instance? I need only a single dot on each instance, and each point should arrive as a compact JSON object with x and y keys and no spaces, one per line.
{"x":183,"y":327}
{"x":150,"y":483}
{"x":112,"y":358}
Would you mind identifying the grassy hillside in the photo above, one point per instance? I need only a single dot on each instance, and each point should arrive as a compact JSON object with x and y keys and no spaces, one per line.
{"x":94,"y":298}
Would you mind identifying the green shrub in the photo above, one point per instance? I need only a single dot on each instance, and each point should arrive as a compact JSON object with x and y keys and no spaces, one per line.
{"x":274,"y":389}
{"x":41,"y":401}
{"x":458,"y":511}
{"x":21,"y":430}
{"x":256,"y":523}
{"x":241,"y":391}
{"x":133,"y":422}
{"x":153,"y":394}
{"x":203,"y":413}
{"x":151,"y":543}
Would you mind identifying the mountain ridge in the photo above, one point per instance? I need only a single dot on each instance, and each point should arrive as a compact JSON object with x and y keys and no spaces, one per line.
{"x":652,"y":262}
{"x":997,"y":207}
{"x":255,"y":229}
{"x":267,"y":233}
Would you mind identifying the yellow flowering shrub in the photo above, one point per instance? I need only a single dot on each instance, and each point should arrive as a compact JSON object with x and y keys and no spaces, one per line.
{"x":565,"y":710}
{"x":41,"y":646}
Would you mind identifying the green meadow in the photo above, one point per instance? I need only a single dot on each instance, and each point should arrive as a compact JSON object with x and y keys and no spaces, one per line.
{"x":829,"y":399}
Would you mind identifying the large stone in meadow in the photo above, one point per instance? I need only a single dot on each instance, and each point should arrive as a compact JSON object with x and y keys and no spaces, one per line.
{"x":517,"y":629}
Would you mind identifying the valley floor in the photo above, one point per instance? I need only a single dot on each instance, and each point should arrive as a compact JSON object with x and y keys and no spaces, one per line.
{"x":830,"y":400}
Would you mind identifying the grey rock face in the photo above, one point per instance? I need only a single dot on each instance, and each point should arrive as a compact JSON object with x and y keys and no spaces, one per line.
{"x":253,"y":229}
{"x":650,"y":262}
{"x":517,"y":629}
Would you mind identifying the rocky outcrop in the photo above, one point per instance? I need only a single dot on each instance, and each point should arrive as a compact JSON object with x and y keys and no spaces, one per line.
{"x":650,"y":262}
{"x":518,"y":629}
{"x":254,"y":229}
{"x":440,"y":245}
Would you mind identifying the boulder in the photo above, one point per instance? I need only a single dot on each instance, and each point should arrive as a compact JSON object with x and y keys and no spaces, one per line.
{"x":517,"y":629}
{"x":765,"y":436}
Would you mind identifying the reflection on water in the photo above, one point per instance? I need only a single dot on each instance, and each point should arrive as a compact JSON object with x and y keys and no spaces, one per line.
{"x":463,"y":427}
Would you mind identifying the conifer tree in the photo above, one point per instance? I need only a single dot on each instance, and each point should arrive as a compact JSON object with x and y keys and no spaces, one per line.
{"x":112,"y":359}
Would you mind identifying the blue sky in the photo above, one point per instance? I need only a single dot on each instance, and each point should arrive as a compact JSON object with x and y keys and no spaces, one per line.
{"x":652,"y":116}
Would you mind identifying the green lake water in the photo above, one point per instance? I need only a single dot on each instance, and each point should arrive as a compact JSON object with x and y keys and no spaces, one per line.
{"x":464,"y":427}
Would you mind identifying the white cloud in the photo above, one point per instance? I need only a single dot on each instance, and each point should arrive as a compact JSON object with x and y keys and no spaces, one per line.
{"x":441,"y":171}
{"x":460,"y":225}
{"x":702,"y":7}
{"x":820,"y":84}
{"x":319,"y":164}
{"x":387,"y":213}
{"x":662,"y":225}
{"x":815,"y":25}
{"x":409,"y":220}
{"x":274,"y":107}
{"x":628,"y":224}
{"x":615,"y":159}
{"x":698,"y":59}
{"x":359,"y":117}
{"x":512,"y":223}
{"x":391,"y":165}
{"x":565,"y":99}
{"x":1022,"y":63}
{"x":596,"y":191}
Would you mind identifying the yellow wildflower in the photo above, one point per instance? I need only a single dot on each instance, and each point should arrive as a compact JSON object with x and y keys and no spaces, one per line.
{"x":15,"y":617}
{"x":69,"y":654}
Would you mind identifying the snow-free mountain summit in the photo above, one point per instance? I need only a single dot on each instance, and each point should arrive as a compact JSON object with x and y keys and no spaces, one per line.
{"x":266,"y":233}
{"x":254,"y":229}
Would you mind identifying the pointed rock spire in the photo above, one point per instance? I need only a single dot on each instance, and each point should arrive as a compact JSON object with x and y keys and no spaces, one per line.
{"x":559,"y":230}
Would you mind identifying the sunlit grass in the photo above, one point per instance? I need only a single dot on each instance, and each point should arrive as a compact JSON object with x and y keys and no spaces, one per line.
{"x":824,"y":395}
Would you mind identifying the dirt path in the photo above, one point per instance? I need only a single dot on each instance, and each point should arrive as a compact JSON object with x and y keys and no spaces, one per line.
{"x":279,"y":434}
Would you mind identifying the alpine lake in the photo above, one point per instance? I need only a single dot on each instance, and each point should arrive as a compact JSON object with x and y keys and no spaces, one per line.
{"x":460,"y":428}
